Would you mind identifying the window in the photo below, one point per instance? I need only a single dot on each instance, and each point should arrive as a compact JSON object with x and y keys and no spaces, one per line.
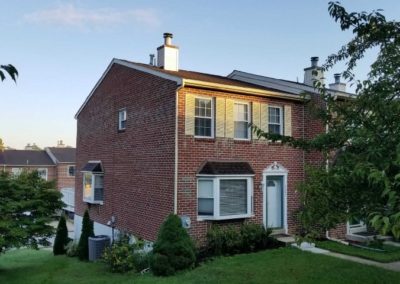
{"x":93,"y":188}
{"x":225,"y":197}
{"x":71,"y":171}
{"x":241,"y":121}
{"x":122,"y":119}
{"x":42,"y":172}
{"x":203,"y":117}
{"x":275,"y":120}
{"x":16,"y":171}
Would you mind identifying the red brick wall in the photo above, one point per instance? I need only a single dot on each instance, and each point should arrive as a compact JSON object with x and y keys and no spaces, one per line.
{"x":51,"y":170}
{"x":138,"y":163}
{"x":260,"y":154}
{"x":63,"y":178}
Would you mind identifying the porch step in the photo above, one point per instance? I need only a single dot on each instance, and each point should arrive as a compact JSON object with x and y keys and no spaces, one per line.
{"x":286,"y":239}
{"x":366,"y":237}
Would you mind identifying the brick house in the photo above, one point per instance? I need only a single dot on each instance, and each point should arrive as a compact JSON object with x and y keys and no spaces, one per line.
{"x":153,"y":139}
{"x":53,"y":163}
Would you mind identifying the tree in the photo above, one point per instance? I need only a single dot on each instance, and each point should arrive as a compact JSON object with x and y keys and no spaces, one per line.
{"x":173,"y":250}
{"x":61,"y":239}
{"x":363,"y":142}
{"x":87,"y":231}
{"x":27,"y":206}
{"x":10,"y":70}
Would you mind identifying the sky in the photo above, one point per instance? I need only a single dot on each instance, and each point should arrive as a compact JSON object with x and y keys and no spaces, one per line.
{"x":61,"y":49}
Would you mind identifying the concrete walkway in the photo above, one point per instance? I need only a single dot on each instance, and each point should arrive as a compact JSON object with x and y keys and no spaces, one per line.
{"x":394,"y":266}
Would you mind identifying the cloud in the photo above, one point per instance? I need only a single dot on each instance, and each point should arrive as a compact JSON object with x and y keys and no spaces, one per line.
{"x":72,"y":16}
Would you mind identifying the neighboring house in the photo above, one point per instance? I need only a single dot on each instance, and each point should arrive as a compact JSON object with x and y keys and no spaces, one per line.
{"x":53,"y":163}
{"x":154,"y":140}
{"x":64,"y":158}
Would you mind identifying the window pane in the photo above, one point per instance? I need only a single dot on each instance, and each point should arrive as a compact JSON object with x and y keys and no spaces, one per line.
{"x":233,"y":197}
{"x":274,"y":128}
{"x":71,"y":171}
{"x":241,"y":130}
{"x":205,"y":197}
{"x":202,"y":127}
{"x":203,"y":107}
{"x":87,"y":185}
{"x":241,"y":112}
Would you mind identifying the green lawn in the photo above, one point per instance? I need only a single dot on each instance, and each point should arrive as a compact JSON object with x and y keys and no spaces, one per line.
{"x":285,"y":265}
{"x":391,"y":253}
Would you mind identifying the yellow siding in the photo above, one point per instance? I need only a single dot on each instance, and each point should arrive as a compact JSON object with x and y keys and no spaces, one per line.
{"x":256,"y":117}
{"x":288,"y":121}
{"x":220,"y":117}
{"x":189,"y":114}
{"x":229,"y":118}
{"x":264,"y":117}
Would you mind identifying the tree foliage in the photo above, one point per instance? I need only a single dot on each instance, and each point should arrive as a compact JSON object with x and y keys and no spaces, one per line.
{"x":87,"y":231}
{"x":173,"y":250}
{"x":61,"y":240}
{"x":363,"y":141}
{"x":10,"y":70}
{"x":27,"y":206}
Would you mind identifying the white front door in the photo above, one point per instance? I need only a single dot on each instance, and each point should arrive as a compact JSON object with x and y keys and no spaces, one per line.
{"x":274,"y":202}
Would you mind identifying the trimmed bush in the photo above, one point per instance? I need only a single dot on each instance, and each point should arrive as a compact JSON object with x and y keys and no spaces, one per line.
{"x":231,"y":240}
{"x":87,"y":231}
{"x":61,"y":239}
{"x":173,"y":250}
{"x":72,"y":249}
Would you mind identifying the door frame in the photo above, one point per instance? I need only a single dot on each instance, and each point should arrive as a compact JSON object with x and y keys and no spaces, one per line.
{"x":275,"y":169}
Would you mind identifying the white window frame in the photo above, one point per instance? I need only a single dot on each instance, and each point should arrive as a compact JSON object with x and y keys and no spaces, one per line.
{"x":90,"y":198}
{"x":16,"y":171}
{"x":46,"y":170}
{"x":281,"y":119}
{"x":216,"y":192}
{"x":248,"y":120}
{"x":212,"y":116}
{"x":122,"y":118}
{"x":68,"y":173}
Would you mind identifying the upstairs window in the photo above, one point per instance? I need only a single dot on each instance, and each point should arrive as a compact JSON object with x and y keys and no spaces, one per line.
{"x":241,"y":121}
{"x":42,"y":172}
{"x":203,"y":117}
{"x":122,"y":120}
{"x":275,"y":120}
{"x":71,"y":171}
{"x":93,"y":183}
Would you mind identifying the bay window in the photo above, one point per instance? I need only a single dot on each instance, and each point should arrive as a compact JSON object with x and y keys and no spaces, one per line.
{"x":93,"y":185}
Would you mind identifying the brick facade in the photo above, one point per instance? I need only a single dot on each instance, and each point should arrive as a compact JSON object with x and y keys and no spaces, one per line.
{"x":64,"y":180}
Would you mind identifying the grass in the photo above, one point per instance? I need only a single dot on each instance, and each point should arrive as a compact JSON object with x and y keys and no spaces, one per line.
{"x":390,"y":254}
{"x":284,"y":265}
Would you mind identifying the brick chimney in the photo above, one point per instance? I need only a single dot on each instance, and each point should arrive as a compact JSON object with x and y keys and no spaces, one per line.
{"x":168,"y":54}
{"x":309,"y":76}
{"x":338,"y":86}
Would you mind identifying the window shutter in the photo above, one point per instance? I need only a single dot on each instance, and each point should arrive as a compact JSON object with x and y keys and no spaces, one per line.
{"x":229,"y":118}
{"x":264,"y":117}
{"x":220,"y":117}
{"x":189,"y":114}
{"x":288,"y":120}
{"x":256,"y":117}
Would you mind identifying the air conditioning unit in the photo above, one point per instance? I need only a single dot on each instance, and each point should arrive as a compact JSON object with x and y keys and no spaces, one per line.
{"x":97,"y":246}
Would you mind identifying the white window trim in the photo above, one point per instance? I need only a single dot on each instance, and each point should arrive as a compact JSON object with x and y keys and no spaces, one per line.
{"x":120,"y":120}
{"x":91,"y":198}
{"x":68,"y":174}
{"x":46,"y":170}
{"x":212,"y":117}
{"x":216,"y":192}
{"x":248,"y":121}
{"x":281,"y":119}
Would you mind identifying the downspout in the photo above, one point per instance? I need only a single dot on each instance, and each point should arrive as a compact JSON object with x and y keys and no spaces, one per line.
{"x":176,"y":146}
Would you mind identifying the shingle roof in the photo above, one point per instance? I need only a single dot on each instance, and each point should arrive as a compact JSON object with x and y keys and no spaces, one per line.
{"x":64,"y":155}
{"x":94,"y":167}
{"x":205,"y":77}
{"x":25,"y":157}
{"x":226,"y":168}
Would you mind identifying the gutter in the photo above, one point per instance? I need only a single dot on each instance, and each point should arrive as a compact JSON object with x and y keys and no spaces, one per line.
{"x":176,"y":146}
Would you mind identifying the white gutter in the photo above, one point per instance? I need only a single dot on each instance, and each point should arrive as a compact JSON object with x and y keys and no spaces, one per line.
{"x":176,"y":146}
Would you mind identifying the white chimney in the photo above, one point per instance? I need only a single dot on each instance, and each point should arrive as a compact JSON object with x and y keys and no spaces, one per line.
{"x":313,"y":73}
{"x":168,"y":54}
{"x":338,"y":86}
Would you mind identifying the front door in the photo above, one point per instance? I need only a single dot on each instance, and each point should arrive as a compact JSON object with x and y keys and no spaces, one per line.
{"x":274,"y":202}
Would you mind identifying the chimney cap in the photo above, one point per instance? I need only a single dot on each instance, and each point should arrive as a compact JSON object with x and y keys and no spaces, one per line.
{"x":314,"y":61}
{"x":168,"y":35}
{"x":337,"y":77}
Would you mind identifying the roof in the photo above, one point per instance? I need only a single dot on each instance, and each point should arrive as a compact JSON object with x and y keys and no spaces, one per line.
{"x":226,"y":168}
{"x":63,"y":155}
{"x":278,"y":84}
{"x":94,"y":167}
{"x":25,"y":158}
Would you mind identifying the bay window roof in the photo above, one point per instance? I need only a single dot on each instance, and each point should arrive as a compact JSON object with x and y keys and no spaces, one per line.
{"x":93,"y":166}
{"x":225,"y":168}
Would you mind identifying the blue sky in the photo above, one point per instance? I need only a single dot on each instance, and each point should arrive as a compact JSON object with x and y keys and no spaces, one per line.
{"x":61,"y":48}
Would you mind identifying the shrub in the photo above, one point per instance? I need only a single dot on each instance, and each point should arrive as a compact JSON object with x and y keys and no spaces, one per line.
{"x":141,"y":260}
{"x":87,"y":231}
{"x":119,"y":257}
{"x":72,"y":249}
{"x":173,"y":250}
{"x":61,"y":239}
{"x":231,"y":240}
